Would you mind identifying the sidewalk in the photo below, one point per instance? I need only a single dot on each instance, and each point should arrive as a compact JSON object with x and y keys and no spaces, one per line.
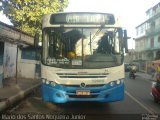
{"x":12,"y":92}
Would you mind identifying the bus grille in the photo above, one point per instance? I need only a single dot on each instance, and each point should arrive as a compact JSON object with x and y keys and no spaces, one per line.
{"x":75,"y":75}
{"x":100,"y":85}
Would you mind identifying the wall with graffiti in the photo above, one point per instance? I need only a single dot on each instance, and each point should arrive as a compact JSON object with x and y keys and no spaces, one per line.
{"x":1,"y":63}
{"x":10,"y":52}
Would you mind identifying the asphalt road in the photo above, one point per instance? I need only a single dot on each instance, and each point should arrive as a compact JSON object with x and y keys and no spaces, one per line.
{"x":138,"y":104}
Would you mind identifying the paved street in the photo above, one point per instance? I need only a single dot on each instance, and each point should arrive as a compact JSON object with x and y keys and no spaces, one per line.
{"x":137,"y":102}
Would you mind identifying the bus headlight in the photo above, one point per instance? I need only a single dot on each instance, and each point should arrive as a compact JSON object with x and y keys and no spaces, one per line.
{"x":43,"y":80}
{"x":118,"y":82}
{"x":111,"y":84}
{"x":47,"y":82}
{"x":53,"y":83}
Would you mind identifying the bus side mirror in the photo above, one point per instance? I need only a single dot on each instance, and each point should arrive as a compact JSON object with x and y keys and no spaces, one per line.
{"x":125,"y":37}
{"x":36,"y":40}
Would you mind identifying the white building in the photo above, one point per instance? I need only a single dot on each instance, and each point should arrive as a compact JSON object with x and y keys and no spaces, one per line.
{"x":147,"y":41}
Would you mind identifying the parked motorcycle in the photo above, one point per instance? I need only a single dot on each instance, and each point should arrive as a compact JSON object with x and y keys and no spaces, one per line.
{"x":155,"y":92}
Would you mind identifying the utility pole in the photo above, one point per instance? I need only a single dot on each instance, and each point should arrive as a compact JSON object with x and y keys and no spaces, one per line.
{"x":20,"y":39}
{"x":132,"y":50}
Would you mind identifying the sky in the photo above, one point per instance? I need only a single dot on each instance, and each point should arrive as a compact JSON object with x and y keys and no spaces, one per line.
{"x":131,"y":12}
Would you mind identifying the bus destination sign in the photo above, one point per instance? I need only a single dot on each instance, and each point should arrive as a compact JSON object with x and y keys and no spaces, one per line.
{"x":87,"y":18}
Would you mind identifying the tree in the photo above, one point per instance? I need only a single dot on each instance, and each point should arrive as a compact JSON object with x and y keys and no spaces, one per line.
{"x":26,"y":15}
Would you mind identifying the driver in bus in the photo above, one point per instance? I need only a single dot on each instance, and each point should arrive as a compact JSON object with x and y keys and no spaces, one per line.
{"x":104,"y":46}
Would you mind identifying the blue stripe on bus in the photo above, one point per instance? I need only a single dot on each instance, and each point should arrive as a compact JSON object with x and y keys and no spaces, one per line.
{"x":67,"y":94}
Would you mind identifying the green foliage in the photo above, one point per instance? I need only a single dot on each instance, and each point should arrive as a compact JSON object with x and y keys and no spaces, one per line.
{"x":26,"y":15}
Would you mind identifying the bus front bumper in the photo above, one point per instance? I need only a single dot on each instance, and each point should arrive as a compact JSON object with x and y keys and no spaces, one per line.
{"x":68,"y":94}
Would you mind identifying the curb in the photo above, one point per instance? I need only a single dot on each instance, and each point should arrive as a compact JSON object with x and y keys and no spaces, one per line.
{"x":13,"y":99}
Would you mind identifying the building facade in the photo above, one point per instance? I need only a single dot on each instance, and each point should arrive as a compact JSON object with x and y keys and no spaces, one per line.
{"x":147,"y":41}
{"x":18,"y":57}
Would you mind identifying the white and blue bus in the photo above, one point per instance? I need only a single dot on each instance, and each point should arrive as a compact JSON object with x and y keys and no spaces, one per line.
{"x":82,"y":57}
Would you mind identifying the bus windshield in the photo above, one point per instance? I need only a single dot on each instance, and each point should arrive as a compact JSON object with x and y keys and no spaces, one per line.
{"x":85,"y":48}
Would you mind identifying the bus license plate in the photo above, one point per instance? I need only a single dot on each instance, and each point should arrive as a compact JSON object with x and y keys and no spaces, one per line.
{"x":83,"y":92}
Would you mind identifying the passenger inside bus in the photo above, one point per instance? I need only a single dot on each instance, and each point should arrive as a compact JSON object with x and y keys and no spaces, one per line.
{"x":104,"y":46}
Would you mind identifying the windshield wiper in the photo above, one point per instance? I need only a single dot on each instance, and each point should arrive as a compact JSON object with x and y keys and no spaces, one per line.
{"x":94,"y":36}
{"x":92,"y":39}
